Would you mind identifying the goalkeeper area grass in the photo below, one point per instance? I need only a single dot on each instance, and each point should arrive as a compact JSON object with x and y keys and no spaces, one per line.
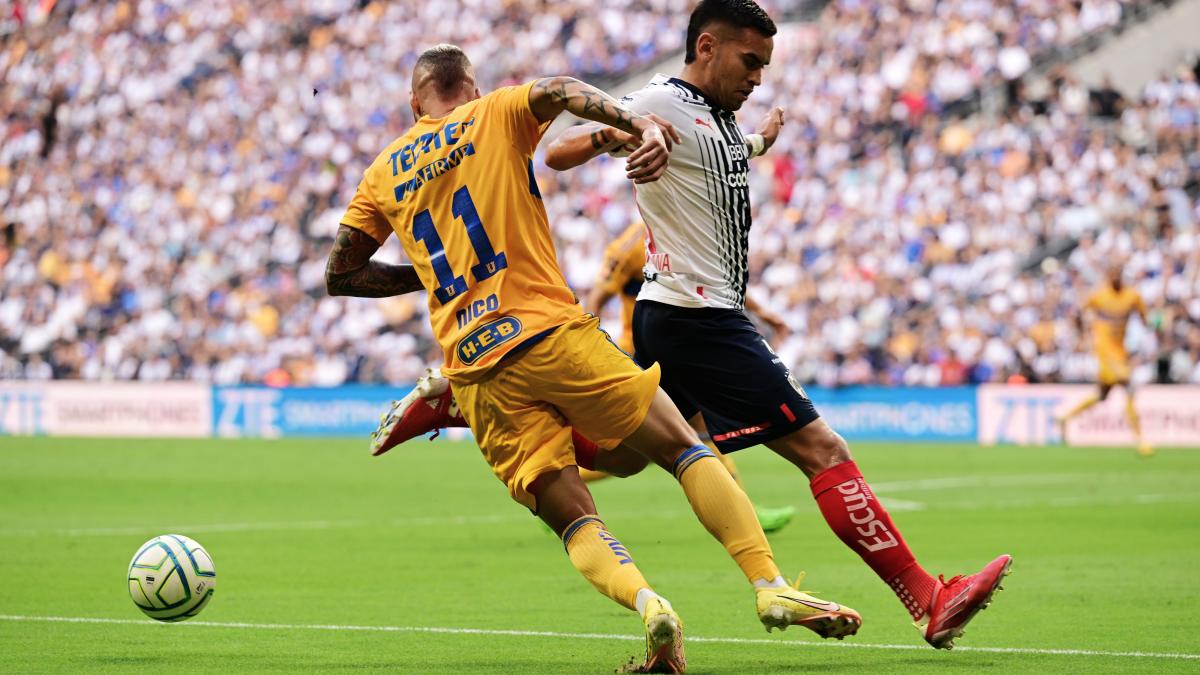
{"x":417,"y":561}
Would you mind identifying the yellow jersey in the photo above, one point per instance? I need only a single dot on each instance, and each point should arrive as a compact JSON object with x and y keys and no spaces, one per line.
{"x":621,"y":275}
{"x":459,"y":193}
{"x":1112,"y":309}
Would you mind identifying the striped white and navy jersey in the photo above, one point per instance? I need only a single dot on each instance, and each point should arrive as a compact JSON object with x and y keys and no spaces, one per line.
{"x":698,"y":213}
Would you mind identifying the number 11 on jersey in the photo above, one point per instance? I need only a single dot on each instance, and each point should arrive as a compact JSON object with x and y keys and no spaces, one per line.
{"x":451,"y":285}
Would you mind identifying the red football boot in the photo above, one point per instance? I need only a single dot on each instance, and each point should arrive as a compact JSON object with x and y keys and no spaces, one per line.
{"x":957,"y":601}
{"x":430,"y":406}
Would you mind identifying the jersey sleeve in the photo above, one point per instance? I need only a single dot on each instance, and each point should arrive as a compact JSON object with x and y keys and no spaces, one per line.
{"x":1139,"y":304}
{"x":643,"y":100}
{"x":1093,"y":301}
{"x":512,"y":104}
{"x":364,"y":215}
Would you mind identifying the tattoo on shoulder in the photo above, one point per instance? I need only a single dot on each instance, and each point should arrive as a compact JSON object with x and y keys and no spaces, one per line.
{"x":555,"y":87}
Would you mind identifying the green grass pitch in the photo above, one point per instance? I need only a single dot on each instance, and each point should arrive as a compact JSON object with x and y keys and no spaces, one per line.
{"x":330,"y":560}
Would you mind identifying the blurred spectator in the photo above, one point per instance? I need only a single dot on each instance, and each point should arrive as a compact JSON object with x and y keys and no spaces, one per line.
{"x":171,"y":201}
{"x":1107,"y":102}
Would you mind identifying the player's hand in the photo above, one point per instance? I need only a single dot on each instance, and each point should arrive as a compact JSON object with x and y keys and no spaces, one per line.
{"x":669,"y":133}
{"x":630,"y":143}
{"x":769,"y":127}
{"x":623,"y":139}
{"x":649,"y":161}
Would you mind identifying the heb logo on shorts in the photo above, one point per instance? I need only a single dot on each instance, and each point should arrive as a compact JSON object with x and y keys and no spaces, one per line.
{"x":487,"y":337}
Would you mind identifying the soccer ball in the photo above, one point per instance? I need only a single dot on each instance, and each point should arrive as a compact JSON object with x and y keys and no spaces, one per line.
{"x":171,"y":578}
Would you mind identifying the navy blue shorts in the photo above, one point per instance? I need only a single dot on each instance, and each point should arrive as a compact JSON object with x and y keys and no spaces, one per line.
{"x":715,"y":362}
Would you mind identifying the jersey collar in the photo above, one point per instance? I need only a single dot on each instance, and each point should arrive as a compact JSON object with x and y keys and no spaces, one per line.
{"x":699,"y":94}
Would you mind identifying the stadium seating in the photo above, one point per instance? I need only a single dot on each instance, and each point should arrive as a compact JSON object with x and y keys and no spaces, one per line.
{"x":167,"y":213}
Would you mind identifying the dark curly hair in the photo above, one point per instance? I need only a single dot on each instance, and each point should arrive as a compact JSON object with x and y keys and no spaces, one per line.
{"x":736,"y":13}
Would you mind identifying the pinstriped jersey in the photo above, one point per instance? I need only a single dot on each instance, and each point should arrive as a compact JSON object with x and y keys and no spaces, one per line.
{"x":698,"y":213}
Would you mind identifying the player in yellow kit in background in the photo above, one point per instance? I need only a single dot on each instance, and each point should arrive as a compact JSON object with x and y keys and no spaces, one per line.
{"x":621,"y":276}
{"x":1110,"y":307}
{"x":527,"y":365}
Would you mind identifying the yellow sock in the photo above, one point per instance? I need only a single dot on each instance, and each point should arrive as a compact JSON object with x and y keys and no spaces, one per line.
{"x":1134,"y":422}
{"x":1087,"y":403}
{"x":730,"y":465}
{"x":725,"y":511}
{"x":591,"y":476}
{"x":603,"y":560}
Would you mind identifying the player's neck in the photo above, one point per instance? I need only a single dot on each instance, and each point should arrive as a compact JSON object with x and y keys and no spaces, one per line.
{"x":439,"y":109}
{"x":696,"y":76}
{"x":438,"y":112}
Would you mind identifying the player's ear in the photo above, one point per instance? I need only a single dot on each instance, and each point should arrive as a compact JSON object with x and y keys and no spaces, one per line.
{"x":415,"y":104}
{"x":477,"y":94}
{"x":706,"y":44}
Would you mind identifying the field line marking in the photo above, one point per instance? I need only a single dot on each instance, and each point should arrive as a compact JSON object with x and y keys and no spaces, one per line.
{"x":1070,"y":502}
{"x":197,"y":528}
{"x":955,"y":482}
{"x":589,"y":636}
{"x":893,"y":504}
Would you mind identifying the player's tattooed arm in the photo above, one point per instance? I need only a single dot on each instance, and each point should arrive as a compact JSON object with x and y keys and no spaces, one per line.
{"x":580,"y":144}
{"x":553,"y":95}
{"x":350,"y":270}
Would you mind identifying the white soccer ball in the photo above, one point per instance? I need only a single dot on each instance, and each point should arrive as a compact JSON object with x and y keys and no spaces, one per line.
{"x":171,"y":578}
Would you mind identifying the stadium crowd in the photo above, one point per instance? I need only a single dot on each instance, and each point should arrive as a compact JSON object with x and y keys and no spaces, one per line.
{"x":170,"y":178}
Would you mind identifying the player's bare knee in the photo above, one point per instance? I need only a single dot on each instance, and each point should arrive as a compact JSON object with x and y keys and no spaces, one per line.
{"x":621,"y":462}
{"x":682,"y":439}
{"x":813,"y":448}
{"x":836,"y":449}
{"x":664,"y":434}
{"x":561,"y":497}
{"x":669,"y":447}
{"x":627,"y":471}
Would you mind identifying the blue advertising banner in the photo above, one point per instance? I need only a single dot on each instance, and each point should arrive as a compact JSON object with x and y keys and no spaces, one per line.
{"x":858,"y":413}
{"x":265,"y":412}
{"x":899,"y":414}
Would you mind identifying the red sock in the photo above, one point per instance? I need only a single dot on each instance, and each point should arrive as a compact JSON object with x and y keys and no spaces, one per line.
{"x":861,"y":522}
{"x":585,"y":450}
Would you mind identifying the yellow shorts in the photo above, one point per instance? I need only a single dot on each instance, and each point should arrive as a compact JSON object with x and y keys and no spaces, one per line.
{"x":522,"y":412}
{"x":1114,"y":365}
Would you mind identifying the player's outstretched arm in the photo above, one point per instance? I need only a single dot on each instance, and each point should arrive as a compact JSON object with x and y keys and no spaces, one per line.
{"x":551,"y":96}
{"x":350,"y":270}
{"x":580,"y":144}
{"x":767,"y":131}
